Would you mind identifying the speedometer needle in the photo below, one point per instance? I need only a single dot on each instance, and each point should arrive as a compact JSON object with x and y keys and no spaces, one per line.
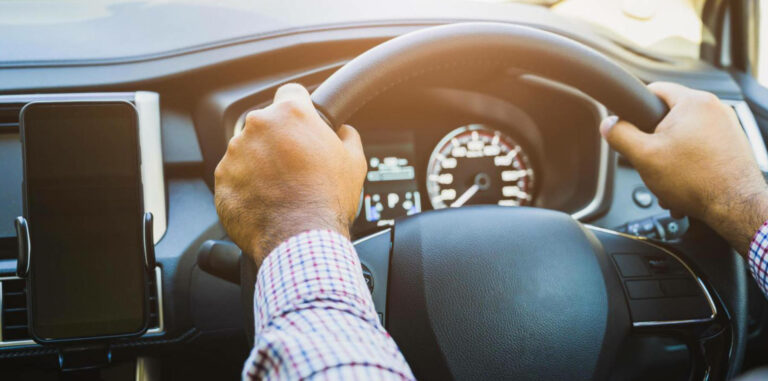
{"x":465,"y":196}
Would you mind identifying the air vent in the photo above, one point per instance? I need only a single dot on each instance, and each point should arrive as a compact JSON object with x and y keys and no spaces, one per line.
{"x":155,"y":305}
{"x":9,"y":117}
{"x":13,"y":314}
{"x":14,"y":310}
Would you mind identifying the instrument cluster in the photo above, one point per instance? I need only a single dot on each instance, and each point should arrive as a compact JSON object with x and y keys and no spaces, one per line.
{"x":471,"y":165}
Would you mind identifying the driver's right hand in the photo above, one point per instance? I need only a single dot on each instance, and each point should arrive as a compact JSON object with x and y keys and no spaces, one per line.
{"x":698,"y":162}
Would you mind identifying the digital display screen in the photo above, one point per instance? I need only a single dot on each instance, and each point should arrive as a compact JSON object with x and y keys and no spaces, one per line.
{"x":390,"y":190}
{"x":84,"y":210}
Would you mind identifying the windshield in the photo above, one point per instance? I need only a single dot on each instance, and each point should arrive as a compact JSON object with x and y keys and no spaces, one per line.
{"x":36,"y":31}
{"x":666,"y":27}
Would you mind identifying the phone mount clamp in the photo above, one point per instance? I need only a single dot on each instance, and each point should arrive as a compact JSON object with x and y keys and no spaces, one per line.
{"x":22,"y":235}
{"x":82,"y":357}
{"x":25,"y":247}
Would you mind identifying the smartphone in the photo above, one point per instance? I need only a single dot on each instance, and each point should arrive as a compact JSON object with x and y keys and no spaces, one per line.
{"x":84,"y":211}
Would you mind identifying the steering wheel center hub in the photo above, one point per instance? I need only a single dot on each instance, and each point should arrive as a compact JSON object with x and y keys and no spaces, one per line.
{"x":508,"y":293}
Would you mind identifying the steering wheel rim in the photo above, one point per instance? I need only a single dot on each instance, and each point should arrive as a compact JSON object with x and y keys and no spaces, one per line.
{"x":481,"y":43}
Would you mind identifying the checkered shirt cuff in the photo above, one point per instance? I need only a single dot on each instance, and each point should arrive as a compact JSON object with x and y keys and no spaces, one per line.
{"x":314,"y":316}
{"x":314,"y":266}
{"x":758,"y":257}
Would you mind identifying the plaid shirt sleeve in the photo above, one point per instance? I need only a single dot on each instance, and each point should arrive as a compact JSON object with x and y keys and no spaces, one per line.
{"x":758,"y":257}
{"x":315,"y":318}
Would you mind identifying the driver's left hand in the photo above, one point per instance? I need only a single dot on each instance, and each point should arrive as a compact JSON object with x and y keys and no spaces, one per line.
{"x":288,"y":172}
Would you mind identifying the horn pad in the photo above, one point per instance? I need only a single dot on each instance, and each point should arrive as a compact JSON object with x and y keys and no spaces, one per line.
{"x":490,"y":292}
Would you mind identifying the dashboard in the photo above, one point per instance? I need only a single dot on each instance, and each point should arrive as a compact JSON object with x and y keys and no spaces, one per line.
{"x":510,"y":139}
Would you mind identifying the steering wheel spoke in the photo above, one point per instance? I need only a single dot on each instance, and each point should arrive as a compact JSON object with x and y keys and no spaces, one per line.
{"x":433,"y":284}
{"x":667,"y":297}
{"x":374,"y":253}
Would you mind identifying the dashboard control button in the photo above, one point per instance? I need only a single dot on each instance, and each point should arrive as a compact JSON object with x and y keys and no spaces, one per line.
{"x":644,"y":228}
{"x":673,"y":228}
{"x":644,"y":289}
{"x":643,"y":197}
{"x":662,"y":227}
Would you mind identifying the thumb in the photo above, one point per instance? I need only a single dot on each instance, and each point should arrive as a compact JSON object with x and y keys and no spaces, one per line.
{"x":623,"y":136}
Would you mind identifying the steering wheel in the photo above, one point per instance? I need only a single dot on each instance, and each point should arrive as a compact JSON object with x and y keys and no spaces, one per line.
{"x":490,"y":292}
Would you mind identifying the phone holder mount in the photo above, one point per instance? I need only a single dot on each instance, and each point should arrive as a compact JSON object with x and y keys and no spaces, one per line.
{"x":82,"y":357}
{"x":25,"y":247}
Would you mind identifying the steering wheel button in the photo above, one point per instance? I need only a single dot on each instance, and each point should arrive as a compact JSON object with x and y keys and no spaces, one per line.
{"x":660,"y":265}
{"x":680,"y":287}
{"x":644,"y":289}
{"x":631,"y":265}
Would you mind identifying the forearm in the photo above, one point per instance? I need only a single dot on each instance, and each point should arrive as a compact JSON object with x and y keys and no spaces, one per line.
{"x":737,"y":217}
{"x":314,"y":316}
{"x":743,"y":221}
{"x":280,"y":226}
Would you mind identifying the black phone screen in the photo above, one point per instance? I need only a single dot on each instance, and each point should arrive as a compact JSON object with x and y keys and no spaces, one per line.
{"x":83,"y":204}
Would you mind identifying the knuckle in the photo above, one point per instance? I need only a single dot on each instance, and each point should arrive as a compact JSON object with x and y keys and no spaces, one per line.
{"x":292,"y":109}
{"x":354,"y":134}
{"x":221,"y":175}
{"x":234,"y":143}
{"x":293,"y":86}
{"x":256,"y":118}
{"x":218,"y":173}
{"x":707,"y":99}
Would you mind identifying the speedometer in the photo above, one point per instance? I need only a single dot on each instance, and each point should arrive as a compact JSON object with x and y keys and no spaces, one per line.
{"x":476,"y":164}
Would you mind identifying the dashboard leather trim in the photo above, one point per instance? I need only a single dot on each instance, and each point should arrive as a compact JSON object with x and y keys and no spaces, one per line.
{"x":606,"y":164}
{"x":750,"y":127}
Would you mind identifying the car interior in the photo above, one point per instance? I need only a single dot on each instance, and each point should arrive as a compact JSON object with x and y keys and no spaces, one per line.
{"x":493,"y":105}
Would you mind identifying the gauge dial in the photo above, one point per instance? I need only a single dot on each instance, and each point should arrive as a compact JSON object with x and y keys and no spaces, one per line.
{"x":478,"y":165}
